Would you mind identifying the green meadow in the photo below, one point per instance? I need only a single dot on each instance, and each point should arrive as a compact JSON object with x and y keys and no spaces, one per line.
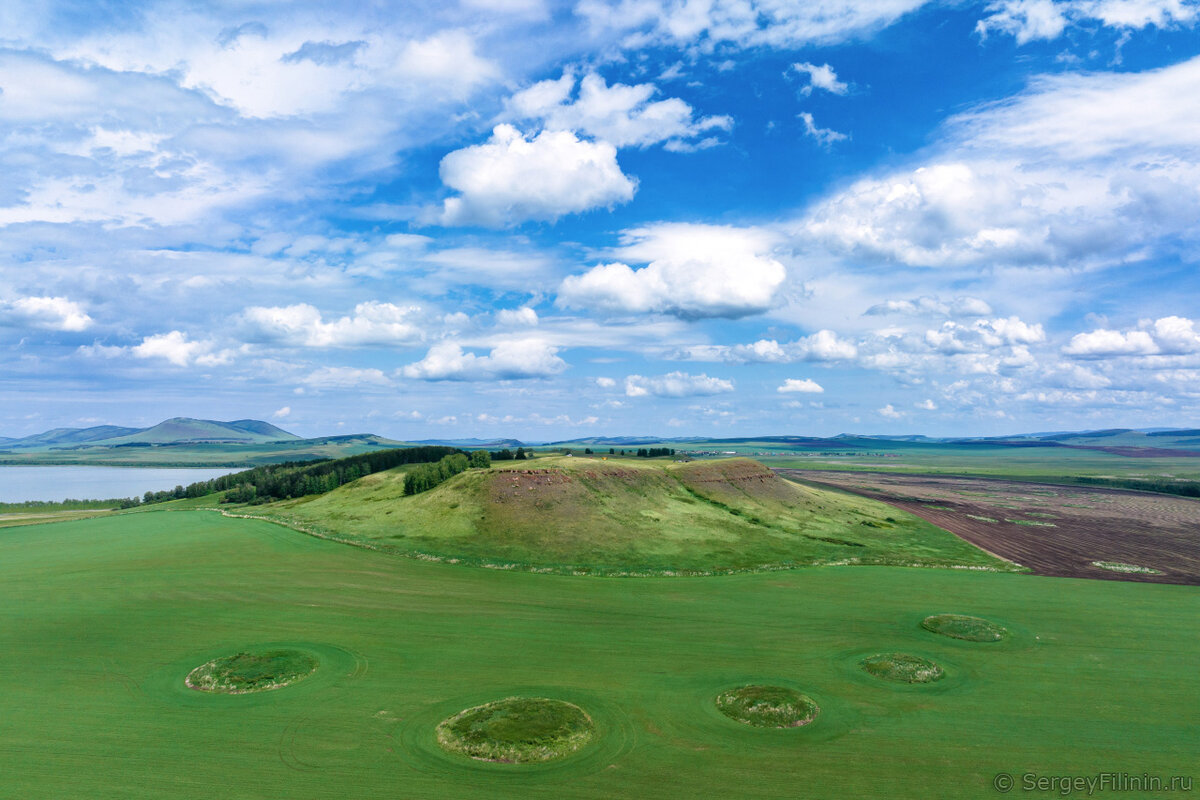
{"x":101,"y":620}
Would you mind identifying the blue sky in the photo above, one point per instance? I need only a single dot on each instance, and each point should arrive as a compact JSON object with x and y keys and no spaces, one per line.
{"x":551,"y":220}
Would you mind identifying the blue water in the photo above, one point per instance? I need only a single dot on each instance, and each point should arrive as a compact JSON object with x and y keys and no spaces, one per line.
{"x":94,"y":483}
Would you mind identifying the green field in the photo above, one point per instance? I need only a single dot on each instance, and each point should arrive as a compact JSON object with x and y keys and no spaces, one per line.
{"x":102,"y":619}
{"x":626,"y":516}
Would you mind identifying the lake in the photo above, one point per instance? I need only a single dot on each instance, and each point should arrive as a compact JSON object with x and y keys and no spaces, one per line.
{"x":19,"y":483}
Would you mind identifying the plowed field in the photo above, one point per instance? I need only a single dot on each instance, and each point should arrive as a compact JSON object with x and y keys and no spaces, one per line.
{"x":1053,"y":530}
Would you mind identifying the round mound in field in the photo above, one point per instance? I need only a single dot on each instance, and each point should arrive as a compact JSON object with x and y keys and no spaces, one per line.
{"x":961,"y":626}
{"x":767,"y":706}
{"x":902,"y":668}
{"x":517,"y":730}
{"x":261,"y":671}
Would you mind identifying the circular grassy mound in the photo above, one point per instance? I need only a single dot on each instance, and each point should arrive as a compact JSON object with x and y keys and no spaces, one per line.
{"x":902,"y":668}
{"x":961,"y":626}
{"x":252,"y":672}
{"x":767,"y":706}
{"x":517,"y":730}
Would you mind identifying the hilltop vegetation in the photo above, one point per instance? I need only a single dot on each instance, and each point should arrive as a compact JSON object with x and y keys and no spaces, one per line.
{"x":620,"y":517}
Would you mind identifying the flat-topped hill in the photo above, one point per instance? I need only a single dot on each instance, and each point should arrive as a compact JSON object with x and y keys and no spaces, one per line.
{"x":627,"y":516}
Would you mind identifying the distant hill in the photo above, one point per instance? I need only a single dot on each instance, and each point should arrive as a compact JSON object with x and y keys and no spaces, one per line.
{"x":171,"y":431}
{"x":473,"y":443}
{"x":182,"y":429}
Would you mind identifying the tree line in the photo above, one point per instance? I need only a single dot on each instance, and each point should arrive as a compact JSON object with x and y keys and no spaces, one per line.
{"x":426,"y":476}
{"x":300,"y":478}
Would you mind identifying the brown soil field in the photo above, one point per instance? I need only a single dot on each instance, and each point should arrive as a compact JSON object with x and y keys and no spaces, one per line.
{"x":1051,"y":529}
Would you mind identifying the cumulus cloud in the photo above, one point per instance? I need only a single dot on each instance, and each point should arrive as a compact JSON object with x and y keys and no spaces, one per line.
{"x":510,"y":360}
{"x":1030,"y":20}
{"x":1164,"y":336}
{"x":620,"y":114}
{"x":890,"y":412}
{"x":820,"y":77}
{"x":675,"y":384}
{"x":822,"y":346}
{"x":954,"y":337}
{"x":692,"y":271}
{"x":47,"y":313}
{"x":824,"y":136}
{"x":517,"y":317}
{"x":176,"y":348}
{"x":511,"y":179}
{"x":372,"y":323}
{"x":742,"y":23}
{"x":801,"y":385}
{"x":282,"y":413}
{"x":1096,"y":167}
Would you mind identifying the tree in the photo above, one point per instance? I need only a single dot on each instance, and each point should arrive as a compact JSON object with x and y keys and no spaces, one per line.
{"x":481,"y":459}
{"x":521,"y":454}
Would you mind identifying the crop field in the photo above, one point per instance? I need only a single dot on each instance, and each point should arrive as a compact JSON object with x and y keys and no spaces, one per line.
{"x":1052,"y":529}
{"x":102,"y":620}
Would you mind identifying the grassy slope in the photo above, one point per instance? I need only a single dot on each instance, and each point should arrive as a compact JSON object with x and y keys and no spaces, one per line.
{"x":100,"y":621}
{"x":628,"y":515}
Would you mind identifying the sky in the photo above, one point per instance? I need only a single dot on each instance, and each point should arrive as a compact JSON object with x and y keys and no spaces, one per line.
{"x":550,"y":220}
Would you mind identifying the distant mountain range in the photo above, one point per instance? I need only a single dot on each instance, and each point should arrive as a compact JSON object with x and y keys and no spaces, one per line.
{"x":182,"y":432}
{"x":172,"y":431}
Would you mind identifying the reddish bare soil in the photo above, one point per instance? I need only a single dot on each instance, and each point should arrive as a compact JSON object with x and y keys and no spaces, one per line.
{"x":1053,"y":530}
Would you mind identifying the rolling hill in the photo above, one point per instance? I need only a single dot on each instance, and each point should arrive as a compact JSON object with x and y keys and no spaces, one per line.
{"x":626,"y":517}
{"x":171,"y":431}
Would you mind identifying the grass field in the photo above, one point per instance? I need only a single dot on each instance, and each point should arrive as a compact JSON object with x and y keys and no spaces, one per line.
{"x":102,"y":619}
{"x":627,"y":516}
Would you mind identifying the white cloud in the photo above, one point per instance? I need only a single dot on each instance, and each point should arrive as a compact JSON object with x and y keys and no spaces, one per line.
{"x":345,"y":378}
{"x":890,"y":413}
{"x":1079,"y":169}
{"x":372,"y":323}
{"x":744,"y":23}
{"x":824,"y":136}
{"x":820,"y":77}
{"x":447,"y":58}
{"x":47,"y":313}
{"x":282,"y":413}
{"x":803,"y":385}
{"x":1164,"y":336}
{"x":619,"y":114}
{"x":675,"y":384}
{"x":693,"y":271}
{"x":510,"y":179}
{"x":932,"y":306}
{"x":176,"y":348}
{"x":927,"y":405}
{"x":822,"y":346}
{"x":509,"y":360}
{"x":605,"y":383}
{"x":517,"y":317}
{"x":1030,"y":20}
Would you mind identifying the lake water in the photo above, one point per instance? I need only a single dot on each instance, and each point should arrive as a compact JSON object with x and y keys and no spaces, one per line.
{"x":18,"y":484}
